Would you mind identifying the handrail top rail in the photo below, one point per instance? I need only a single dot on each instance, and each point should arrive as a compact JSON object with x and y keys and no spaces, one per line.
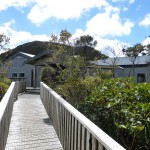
{"x":5,"y":99}
{"x":99,"y":134}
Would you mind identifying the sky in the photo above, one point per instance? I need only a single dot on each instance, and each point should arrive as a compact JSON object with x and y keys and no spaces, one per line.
{"x":113,"y":23}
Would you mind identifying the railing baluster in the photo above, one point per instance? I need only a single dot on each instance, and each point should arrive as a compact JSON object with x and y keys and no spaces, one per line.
{"x":58,"y":120}
{"x":87,"y":140}
{"x":69,"y":131}
{"x":62,"y":124}
{"x":83,"y":138}
{"x":94,"y":144}
{"x":72,"y":133}
{"x":75,"y":135}
{"x":100,"y":146}
{"x":65,"y":128}
{"x":67,"y":124}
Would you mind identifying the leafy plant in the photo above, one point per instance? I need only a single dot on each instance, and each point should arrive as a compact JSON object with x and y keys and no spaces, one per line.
{"x":121,"y":109}
{"x":3,"y":89}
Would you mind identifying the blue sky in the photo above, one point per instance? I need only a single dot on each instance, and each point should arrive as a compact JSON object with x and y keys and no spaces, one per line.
{"x":111,"y":22}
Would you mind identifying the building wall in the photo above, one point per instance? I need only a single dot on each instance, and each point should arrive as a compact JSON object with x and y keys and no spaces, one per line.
{"x":139,"y":71}
{"x":19,"y":68}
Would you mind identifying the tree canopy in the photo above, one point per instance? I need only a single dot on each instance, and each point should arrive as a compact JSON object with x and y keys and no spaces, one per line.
{"x":132,"y":53}
{"x":4,"y":40}
{"x":86,"y":40}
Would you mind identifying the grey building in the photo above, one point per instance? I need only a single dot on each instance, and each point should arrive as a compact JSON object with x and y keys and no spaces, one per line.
{"x":29,"y":67}
{"x":19,"y":70}
{"x":125,"y":68}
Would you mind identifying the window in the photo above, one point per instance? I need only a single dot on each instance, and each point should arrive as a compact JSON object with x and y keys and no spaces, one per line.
{"x":14,"y":75}
{"x":21,"y":62}
{"x":141,"y":78}
{"x":21,"y":75}
{"x":18,"y":62}
{"x":15,"y":62}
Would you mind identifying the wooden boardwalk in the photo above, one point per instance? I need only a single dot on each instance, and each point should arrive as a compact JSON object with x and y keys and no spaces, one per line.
{"x":30,"y":127}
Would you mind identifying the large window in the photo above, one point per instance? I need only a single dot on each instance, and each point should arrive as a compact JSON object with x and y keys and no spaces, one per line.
{"x":141,"y":77}
{"x":18,"y":62}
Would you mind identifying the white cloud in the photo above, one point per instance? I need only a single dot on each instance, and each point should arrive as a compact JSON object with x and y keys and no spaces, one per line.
{"x":41,"y":10}
{"x":109,"y":23}
{"x":125,"y":9}
{"x":146,"y":41}
{"x":19,"y":37}
{"x":64,"y":9}
{"x":4,"y":4}
{"x":104,"y":43}
{"x":130,"y":1}
{"x":106,"y":24}
{"x":146,"y":21}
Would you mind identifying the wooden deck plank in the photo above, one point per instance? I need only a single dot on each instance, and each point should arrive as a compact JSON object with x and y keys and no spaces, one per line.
{"x":30,"y":126}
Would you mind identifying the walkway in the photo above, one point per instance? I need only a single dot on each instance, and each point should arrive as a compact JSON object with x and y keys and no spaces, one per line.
{"x":30,"y":127}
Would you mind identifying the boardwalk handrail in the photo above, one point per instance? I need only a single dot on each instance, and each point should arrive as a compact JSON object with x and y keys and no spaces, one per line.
{"x":74,"y":130}
{"x":6,"y":106}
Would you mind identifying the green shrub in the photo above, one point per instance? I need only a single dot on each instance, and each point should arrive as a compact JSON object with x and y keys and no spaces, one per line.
{"x":121,"y":109}
{"x":3,"y":89}
{"x":76,"y":90}
{"x":118,"y":106}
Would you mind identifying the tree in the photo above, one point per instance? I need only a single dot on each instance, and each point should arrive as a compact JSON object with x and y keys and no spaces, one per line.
{"x":4,"y":40}
{"x":61,"y":44}
{"x":63,"y":55}
{"x":86,"y":40}
{"x":132,"y":53}
{"x":115,"y":57}
{"x":65,"y":52}
{"x":85,"y":43}
{"x":148,"y":48}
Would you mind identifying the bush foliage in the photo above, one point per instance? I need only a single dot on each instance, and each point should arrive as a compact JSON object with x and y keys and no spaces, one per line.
{"x":3,"y":88}
{"x":118,"y":106}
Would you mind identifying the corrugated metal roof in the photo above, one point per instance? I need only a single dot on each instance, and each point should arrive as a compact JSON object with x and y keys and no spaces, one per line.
{"x":140,"y":60}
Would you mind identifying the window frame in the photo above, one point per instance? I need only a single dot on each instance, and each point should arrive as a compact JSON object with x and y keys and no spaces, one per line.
{"x":142,"y":80}
{"x":20,"y":75}
{"x":14,"y":74}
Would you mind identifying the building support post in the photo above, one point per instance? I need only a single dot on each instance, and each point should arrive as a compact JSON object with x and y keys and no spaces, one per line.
{"x":35,"y":76}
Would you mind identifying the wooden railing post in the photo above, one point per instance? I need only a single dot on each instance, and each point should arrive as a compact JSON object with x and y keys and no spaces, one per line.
{"x":74,"y":130}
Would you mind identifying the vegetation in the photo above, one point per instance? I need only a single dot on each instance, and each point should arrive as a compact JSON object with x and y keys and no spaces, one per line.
{"x":71,"y":55}
{"x":118,"y":106}
{"x":132,"y":53}
{"x":4,"y":40}
{"x":3,"y":88}
{"x":115,"y":53}
{"x":34,"y":48}
{"x":4,"y":81}
{"x":121,"y":109}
